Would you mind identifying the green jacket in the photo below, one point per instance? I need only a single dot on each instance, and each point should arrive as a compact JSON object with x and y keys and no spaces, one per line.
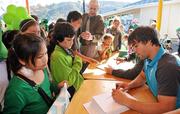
{"x":63,"y":67}
{"x":21,"y":98}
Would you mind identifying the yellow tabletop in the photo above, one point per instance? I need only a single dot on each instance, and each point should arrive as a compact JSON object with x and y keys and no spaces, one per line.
{"x":90,"y":88}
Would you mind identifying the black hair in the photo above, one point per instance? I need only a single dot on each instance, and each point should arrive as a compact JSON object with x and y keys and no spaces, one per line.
{"x":110,"y":21}
{"x":25,"y":24}
{"x":35,"y":17}
{"x":25,"y":47}
{"x":62,"y":30}
{"x":144,"y":34}
{"x":73,"y":16}
{"x":8,"y":37}
{"x":60,"y":20}
{"x":51,"y":26}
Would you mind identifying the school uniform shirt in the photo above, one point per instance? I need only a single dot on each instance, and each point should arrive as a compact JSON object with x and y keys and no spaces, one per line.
{"x":22,"y":98}
{"x":3,"y":82}
{"x":64,"y":67}
{"x":3,"y":50}
{"x":163,"y":75}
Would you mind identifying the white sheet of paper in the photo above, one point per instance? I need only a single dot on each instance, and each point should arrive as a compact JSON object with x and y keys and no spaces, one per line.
{"x":104,"y":104}
{"x":123,"y":65}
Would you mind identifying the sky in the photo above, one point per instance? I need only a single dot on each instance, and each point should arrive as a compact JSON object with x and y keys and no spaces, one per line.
{"x":57,"y":1}
{"x":47,"y":2}
{"x":5,"y":3}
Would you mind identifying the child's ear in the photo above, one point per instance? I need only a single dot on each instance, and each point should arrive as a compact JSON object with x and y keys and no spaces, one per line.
{"x":22,"y":62}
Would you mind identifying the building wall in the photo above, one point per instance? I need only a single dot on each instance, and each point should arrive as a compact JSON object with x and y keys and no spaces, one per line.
{"x":170,"y":18}
{"x":145,"y":14}
{"x":174,"y":19}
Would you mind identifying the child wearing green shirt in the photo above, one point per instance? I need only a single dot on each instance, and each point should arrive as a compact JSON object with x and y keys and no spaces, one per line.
{"x":28,"y":60}
{"x":63,"y":63}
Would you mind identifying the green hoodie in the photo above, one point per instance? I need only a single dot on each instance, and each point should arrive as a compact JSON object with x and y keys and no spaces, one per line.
{"x":63,"y":67}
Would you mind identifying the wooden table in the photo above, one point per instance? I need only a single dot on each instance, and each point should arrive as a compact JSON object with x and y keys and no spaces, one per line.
{"x":90,"y":88}
{"x":96,"y":72}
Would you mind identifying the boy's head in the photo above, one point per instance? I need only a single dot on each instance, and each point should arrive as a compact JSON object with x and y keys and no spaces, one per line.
{"x":75,"y":18}
{"x":107,"y":39}
{"x":64,"y":34}
{"x":143,"y":34}
{"x":142,"y":39}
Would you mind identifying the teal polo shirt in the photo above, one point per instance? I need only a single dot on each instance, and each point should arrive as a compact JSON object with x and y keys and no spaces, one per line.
{"x":163,"y":75}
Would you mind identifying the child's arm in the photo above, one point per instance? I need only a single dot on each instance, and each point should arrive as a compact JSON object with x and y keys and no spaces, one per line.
{"x":103,"y":54}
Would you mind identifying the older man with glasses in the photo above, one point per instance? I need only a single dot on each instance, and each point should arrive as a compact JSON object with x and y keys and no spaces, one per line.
{"x":91,"y":30}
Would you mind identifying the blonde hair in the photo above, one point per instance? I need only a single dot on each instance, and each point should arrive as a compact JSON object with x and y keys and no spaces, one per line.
{"x":116,"y":18}
{"x":107,"y":36}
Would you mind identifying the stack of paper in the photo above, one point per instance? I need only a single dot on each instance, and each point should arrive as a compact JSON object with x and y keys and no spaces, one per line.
{"x":123,"y":65}
{"x":104,"y":104}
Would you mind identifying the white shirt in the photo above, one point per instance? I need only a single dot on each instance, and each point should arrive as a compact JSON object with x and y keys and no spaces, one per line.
{"x":3,"y":81}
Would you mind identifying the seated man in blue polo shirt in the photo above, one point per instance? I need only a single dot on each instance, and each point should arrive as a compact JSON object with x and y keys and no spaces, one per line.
{"x":161,"y":72}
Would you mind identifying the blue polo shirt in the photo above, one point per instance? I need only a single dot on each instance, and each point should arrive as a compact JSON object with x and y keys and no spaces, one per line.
{"x":163,"y":75}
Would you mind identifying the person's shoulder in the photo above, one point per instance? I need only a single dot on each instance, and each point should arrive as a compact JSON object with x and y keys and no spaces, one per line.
{"x":168,"y":59}
{"x":168,"y":64}
{"x":58,"y":53}
{"x":99,"y":16}
{"x":85,"y":15}
{"x":16,"y":85}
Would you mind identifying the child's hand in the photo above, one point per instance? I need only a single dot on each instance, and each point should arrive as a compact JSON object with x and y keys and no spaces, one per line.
{"x":61,"y":84}
{"x":93,"y":61}
{"x":108,"y":70}
{"x":86,"y":35}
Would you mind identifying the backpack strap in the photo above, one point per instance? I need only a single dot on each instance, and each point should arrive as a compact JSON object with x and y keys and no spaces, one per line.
{"x":49,"y":101}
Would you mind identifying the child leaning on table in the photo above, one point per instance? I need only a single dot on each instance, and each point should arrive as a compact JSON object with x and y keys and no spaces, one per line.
{"x":105,"y":49}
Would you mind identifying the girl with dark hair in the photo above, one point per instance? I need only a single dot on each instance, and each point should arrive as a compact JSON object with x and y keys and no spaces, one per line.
{"x":29,"y":90}
{"x":30,"y":26}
